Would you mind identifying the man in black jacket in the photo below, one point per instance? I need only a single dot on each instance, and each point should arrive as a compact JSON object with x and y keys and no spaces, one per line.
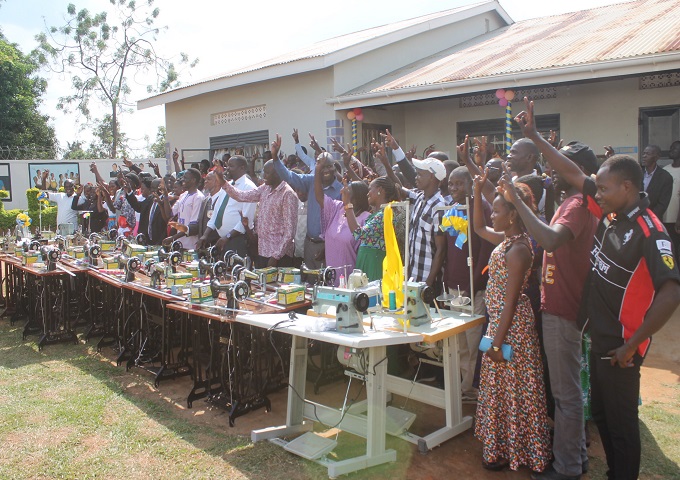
{"x":151,"y":221}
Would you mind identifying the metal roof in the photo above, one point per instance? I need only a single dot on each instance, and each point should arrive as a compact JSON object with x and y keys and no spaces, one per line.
{"x":606,"y":34}
{"x":362,"y":41}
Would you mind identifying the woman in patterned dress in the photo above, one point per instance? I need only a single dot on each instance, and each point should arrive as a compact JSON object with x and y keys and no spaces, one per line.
{"x":371,"y":235}
{"x":512,"y":422}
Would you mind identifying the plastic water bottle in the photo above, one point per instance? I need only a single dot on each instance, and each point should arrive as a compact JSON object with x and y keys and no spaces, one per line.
{"x":342,"y":281}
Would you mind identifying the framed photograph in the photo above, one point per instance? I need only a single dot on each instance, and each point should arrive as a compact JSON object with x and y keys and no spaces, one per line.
{"x":58,"y":173}
{"x":6,"y":180}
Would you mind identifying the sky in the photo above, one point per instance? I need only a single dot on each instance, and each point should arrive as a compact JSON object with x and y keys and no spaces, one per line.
{"x":227,"y":35}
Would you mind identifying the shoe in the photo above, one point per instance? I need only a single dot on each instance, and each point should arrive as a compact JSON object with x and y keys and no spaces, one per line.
{"x":468,"y":399}
{"x":551,"y":474}
{"x":497,"y":466}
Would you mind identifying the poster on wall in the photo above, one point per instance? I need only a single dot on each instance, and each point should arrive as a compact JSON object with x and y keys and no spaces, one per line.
{"x":57,"y":174}
{"x":6,"y":181}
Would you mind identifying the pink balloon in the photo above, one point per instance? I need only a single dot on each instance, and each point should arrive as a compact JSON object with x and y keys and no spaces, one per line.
{"x":503,"y":102}
{"x":351,"y":115}
{"x":500,"y":93}
{"x":509,"y":95}
{"x":360,"y":117}
{"x":357,"y":111}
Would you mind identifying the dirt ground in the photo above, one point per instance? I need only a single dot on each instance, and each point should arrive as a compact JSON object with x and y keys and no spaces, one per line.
{"x":462,"y":455}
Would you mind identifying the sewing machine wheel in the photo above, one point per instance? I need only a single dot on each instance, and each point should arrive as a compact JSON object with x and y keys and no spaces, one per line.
{"x":361,"y":302}
{"x":236,"y":271}
{"x":227,"y":256}
{"x":219,"y":269}
{"x":34,"y":245}
{"x":176,"y":246}
{"x":133,"y":264}
{"x":112,"y":234}
{"x":142,"y":239}
{"x":95,"y":251}
{"x":427,"y":295}
{"x":241,"y":290}
{"x":328,"y":276}
{"x":175,"y":258}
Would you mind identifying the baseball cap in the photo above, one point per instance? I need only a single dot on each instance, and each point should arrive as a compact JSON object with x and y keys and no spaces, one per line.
{"x":431,"y":165}
{"x":582,"y":155}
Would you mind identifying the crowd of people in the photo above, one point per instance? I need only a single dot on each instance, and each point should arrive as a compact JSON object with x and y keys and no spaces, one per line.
{"x":573,"y":264}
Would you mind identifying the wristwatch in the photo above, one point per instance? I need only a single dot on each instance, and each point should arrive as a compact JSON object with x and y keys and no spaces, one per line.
{"x":349,"y":206}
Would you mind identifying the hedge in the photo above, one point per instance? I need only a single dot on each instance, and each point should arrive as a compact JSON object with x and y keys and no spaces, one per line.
{"x":8,"y":218}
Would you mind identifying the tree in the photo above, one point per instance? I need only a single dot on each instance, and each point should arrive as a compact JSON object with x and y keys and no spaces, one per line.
{"x":101,"y":56}
{"x":105,"y":145}
{"x":74,"y":151}
{"x":22,"y":127}
{"x":157,"y":148}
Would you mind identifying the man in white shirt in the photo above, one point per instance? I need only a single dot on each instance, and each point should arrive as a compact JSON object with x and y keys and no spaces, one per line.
{"x":671,"y":218}
{"x":64,"y":200}
{"x":187,"y":209}
{"x":225,"y":222}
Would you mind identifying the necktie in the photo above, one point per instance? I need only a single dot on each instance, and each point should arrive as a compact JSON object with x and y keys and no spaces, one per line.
{"x":151,"y":214}
{"x":220,"y":212}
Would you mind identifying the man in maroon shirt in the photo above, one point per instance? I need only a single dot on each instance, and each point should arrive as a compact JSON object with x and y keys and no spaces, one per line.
{"x":457,"y":276}
{"x":567,"y":242}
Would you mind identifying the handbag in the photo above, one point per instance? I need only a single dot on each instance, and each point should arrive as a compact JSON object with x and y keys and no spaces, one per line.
{"x":485,"y":345}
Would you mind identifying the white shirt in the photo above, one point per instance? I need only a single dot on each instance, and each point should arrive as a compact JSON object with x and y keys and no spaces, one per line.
{"x":231,"y":220}
{"x":301,"y":231}
{"x":187,"y":209}
{"x":671,"y":214}
{"x":65,"y":214}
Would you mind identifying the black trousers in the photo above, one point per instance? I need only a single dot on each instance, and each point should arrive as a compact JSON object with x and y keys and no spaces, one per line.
{"x":615,"y":393}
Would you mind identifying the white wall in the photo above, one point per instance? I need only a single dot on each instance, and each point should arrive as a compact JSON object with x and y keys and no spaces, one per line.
{"x":292,"y":102}
{"x":20,"y":181}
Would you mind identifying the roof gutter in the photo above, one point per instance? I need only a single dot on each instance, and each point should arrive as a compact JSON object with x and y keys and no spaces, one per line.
{"x":610,"y":68}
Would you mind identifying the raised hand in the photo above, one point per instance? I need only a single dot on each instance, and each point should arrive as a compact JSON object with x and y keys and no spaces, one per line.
{"x":127,"y":162}
{"x":608,"y":151}
{"x":526,"y":120}
{"x":346,"y":193}
{"x":79,"y":190}
{"x":175,"y":155}
{"x":479,"y":181}
{"x":506,"y":187}
{"x":276,"y":146}
{"x":411,"y":152}
{"x":464,"y":150}
{"x":389,"y":139}
{"x":313,"y":143}
{"x":296,"y":137}
{"x":480,"y":151}
{"x":552,"y":140}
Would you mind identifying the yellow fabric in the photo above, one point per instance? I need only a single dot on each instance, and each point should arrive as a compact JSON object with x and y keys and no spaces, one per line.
{"x":393,"y":266}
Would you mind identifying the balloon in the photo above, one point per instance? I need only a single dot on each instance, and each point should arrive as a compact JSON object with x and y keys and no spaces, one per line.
{"x":360,"y":117}
{"x":351,"y":115}
{"x":500,"y":93}
{"x":503,"y":102}
{"x":509,"y":95}
{"x":357,"y":111}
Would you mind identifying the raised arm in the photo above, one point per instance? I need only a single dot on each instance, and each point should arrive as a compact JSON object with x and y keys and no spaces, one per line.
{"x":549,"y":237}
{"x":175,"y":160}
{"x":309,"y":161}
{"x":405,"y":166}
{"x":318,"y":182}
{"x":478,"y":221}
{"x":567,"y":169}
{"x":291,"y":178}
{"x":463,"y":149}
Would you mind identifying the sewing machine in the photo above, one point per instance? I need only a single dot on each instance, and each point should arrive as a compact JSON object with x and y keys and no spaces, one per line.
{"x":348,"y":306}
{"x":170,"y":259}
{"x":322,"y":276}
{"x":92,"y":253}
{"x":50,"y":256}
{"x":418,"y":298}
{"x":130,"y":265}
{"x":235,"y":292}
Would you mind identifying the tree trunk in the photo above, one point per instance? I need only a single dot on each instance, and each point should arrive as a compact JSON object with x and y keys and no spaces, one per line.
{"x":114,"y":131}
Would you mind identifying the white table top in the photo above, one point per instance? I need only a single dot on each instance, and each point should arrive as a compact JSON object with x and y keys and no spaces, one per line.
{"x":355,"y":340}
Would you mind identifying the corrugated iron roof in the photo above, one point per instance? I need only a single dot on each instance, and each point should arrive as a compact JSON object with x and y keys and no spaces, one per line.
{"x":326,"y":47}
{"x":615,"y":32}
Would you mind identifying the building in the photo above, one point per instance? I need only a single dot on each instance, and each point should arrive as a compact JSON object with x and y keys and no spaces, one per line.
{"x":605,"y":76}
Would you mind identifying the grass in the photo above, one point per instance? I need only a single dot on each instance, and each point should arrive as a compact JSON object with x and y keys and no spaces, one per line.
{"x":68,"y":412}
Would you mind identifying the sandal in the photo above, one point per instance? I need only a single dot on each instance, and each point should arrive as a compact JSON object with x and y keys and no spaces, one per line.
{"x":496,"y":466}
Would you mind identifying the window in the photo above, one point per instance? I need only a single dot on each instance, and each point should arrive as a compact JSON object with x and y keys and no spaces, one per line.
{"x":494,"y":129}
{"x":659,"y":126}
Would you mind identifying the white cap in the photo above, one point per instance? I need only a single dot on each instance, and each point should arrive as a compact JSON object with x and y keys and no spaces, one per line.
{"x":432,"y":165}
